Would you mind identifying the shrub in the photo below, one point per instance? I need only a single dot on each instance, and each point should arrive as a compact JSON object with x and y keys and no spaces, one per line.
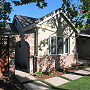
{"x":39,"y":74}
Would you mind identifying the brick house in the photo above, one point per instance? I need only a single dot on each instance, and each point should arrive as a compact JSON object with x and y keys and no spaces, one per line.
{"x":41,"y":44}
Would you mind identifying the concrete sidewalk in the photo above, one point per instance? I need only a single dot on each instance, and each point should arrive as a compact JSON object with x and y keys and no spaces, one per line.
{"x":23,"y":76}
{"x":36,"y":85}
{"x":72,"y":76}
{"x":56,"y":81}
{"x":82,"y":72}
{"x":88,"y":69}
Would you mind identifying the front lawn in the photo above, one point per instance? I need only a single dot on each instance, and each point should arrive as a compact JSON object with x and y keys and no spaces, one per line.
{"x":79,"y":84}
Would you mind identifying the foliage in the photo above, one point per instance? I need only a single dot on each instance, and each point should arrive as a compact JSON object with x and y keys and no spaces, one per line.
{"x":51,"y":71}
{"x":77,"y":12}
{"x":39,"y":74}
{"x":85,"y":64}
{"x":65,"y":70}
{"x":6,"y":9}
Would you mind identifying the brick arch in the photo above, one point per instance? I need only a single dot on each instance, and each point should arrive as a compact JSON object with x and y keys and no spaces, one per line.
{"x":29,"y":39}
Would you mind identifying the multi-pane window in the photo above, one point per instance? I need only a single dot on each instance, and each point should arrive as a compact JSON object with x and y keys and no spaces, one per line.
{"x":58,"y":45}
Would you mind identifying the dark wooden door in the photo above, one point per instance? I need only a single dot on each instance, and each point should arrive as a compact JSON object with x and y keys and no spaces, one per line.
{"x":4,"y":55}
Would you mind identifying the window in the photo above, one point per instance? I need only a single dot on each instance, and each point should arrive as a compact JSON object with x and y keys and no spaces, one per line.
{"x":58,"y":45}
{"x":66,"y":45}
{"x":53,"y":45}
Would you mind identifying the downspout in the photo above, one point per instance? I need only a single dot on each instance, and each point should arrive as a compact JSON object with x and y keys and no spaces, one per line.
{"x":76,"y":49}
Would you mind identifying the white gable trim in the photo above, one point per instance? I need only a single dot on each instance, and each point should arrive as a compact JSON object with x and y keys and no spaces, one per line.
{"x":41,"y":22}
{"x":46,"y":19}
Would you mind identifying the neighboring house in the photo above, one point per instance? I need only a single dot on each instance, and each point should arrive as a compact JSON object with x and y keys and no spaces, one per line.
{"x":41,"y":44}
{"x":83,"y":44}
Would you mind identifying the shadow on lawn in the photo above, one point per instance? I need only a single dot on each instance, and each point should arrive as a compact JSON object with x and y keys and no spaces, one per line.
{"x":10,"y":83}
{"x":56,"y":88}
{"x":78,"y":74}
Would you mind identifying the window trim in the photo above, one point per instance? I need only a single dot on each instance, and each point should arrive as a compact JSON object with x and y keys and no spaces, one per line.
{"x":56,"y":45}
{"x":68,"y":46}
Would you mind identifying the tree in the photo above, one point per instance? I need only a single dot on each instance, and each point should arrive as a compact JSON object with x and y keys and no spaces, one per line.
{"x":76,"y":13}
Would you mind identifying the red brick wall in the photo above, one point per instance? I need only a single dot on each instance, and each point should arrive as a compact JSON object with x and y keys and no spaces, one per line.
{"x":4,"y":55}
{"x":29,"y":39}
{"x":56,"y":61}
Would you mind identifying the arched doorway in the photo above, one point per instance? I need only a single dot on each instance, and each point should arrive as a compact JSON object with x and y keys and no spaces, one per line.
{"x":22,"y":56}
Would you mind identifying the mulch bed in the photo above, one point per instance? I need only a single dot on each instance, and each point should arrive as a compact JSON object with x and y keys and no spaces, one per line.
{"x":10,"y":83}
{"x":45,"y":76}
{"x":72,"y":69}
{"x":54,"y":74}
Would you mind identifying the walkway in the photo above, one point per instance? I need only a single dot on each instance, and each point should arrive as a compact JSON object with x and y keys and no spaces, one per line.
{"x":31,"y":83}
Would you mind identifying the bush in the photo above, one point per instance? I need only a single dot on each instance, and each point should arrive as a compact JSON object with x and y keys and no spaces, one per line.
{"x":39,"y":74}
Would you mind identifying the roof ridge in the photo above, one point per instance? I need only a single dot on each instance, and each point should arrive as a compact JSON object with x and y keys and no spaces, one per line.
{"x":27,"y":16}
{"x":51,"y":13}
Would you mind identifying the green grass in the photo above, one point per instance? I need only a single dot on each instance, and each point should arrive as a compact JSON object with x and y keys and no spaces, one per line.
{"x":87,"y":70}
{"x":79,"y":84}
{"x":65,"y":78}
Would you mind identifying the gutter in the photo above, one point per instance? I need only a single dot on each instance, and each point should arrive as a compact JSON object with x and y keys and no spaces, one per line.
{"x":84,"y":35}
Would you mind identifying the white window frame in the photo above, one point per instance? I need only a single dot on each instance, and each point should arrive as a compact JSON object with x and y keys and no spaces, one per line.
{"x":68,"y":46}
{"x":56,"y":45}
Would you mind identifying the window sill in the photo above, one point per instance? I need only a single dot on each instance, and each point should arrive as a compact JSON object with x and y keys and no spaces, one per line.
{"x":60,"y":54}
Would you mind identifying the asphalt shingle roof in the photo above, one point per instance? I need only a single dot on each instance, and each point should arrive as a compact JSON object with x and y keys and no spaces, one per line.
{"x":10,"y":29}
{"x":26,"y":21}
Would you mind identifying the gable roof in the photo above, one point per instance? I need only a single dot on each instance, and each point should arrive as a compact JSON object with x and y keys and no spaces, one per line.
{"x":25,"y":21}
{"x":28,"y":22}
{"x":10,"y":29}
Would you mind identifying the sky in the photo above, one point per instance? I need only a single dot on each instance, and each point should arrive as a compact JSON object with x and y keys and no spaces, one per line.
{"x":31,"y":10}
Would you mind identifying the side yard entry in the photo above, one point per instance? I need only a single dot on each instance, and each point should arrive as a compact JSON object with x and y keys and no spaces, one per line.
{"x":22,"y":55}
{"x":4,"y":55}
